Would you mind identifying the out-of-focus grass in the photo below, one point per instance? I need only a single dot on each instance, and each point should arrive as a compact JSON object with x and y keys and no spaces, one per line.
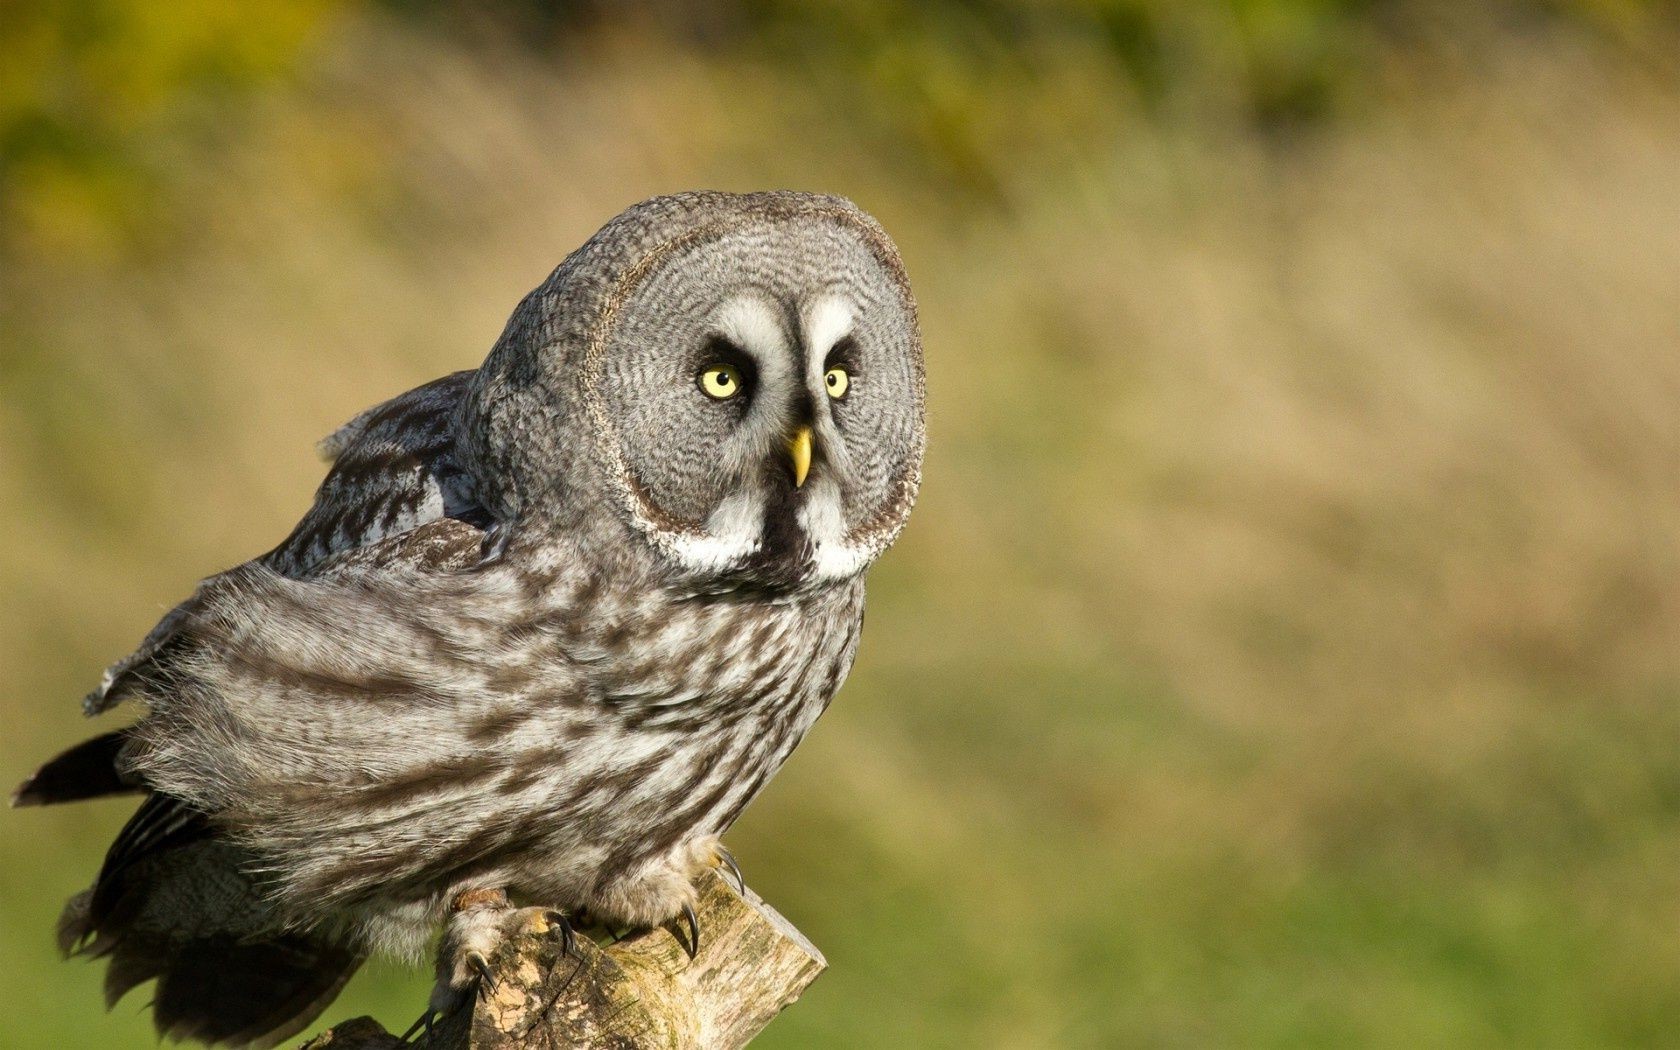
{"x":1283,"y":653}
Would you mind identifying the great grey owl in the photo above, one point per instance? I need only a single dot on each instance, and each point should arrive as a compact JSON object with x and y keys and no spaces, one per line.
{"x":548,"y":628}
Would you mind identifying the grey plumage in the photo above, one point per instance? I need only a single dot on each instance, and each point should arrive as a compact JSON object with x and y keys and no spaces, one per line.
{"x":549,"y":627}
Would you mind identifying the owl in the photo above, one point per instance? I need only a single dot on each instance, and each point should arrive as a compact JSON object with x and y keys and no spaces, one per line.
{"x":548,"y":628}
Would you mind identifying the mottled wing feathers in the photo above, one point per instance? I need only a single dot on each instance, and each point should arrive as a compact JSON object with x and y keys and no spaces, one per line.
{"x":176,"y":899}
{"x":267,"y":688}
{"x":442,"y":546}
{"x":419,"y":411}
{"x":394,"y":470}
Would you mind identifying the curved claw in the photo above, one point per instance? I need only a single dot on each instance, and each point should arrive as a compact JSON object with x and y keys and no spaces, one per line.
{"x":486,"y":979}
{"x":424,"y":1021}
{"x":693,"y":945}
{"x":557,"y":920}
{"x":728,"y":860}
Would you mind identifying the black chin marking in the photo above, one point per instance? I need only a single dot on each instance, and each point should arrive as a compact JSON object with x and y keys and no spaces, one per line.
{"x":784,"y":555}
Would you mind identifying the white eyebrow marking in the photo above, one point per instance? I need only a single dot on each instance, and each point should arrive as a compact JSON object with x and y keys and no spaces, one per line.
{"x":828,"y":321}
{"x":751,"y":324}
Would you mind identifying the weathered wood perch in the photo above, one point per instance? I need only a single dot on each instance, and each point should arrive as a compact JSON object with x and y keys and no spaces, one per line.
{"x":637,"y":994}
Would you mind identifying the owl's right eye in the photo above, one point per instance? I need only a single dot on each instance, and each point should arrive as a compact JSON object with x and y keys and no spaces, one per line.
{"x":720,"y":381}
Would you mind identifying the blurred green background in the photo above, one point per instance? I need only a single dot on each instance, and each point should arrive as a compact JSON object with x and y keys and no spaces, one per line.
{"x":1286,"y":649}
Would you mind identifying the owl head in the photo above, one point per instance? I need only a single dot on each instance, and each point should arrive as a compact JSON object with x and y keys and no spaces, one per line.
{"x":735,"y":379}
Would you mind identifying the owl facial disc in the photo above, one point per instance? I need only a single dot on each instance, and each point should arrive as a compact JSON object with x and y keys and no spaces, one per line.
{"x":759,"y":386}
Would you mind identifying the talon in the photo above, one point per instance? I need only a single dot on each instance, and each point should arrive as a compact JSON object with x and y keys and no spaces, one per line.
{"x":486,"y":979}
{"x":424,"y":1021}
{"x":693,"y":945}
{"x":727,"y":859}
{"x":557,"y":920}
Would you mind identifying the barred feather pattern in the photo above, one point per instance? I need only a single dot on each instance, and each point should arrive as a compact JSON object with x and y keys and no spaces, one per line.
{"x":523,"y":725}
{"x":549,"y":626}
{"x":395,"y":467}
{"x":560,"y":717}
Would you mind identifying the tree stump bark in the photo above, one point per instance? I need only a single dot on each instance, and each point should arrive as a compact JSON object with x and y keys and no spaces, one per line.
{"x":639,"y":993}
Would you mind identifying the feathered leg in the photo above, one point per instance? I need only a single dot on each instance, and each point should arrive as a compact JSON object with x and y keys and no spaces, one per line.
{"x":480,"y":921}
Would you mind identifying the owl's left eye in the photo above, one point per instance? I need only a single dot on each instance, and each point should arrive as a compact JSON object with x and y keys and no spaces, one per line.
{"x":720,"y":381}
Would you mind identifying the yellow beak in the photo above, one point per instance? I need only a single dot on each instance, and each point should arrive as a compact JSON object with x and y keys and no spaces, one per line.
{"x":799,"y":450}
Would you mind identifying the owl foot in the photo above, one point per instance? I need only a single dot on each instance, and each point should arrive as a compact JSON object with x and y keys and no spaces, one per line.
{"x":720,"y":858}
{"x":479,"y":923}
{"x":661,"y":893}
{"x":708,"y":853}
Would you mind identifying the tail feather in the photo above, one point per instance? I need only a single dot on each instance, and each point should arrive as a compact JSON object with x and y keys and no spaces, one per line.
{"x":222,"y":992}
{"x":174,"y":903}
{"x":88,"y":770}
{"x":74,"y":925}
{"x":130,"y":961}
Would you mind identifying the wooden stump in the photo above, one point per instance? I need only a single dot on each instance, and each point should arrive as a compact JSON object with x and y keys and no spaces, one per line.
{"x":640,"y":993}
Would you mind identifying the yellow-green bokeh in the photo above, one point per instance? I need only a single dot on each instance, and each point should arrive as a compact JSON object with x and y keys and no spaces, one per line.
{"x":1286,"y":650}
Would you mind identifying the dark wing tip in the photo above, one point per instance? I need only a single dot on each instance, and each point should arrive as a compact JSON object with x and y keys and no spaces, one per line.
{"x":88,"y":770}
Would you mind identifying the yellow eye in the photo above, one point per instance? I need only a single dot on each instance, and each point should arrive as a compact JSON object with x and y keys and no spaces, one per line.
{"x":837,"y":381}
{"x":720,"y":381}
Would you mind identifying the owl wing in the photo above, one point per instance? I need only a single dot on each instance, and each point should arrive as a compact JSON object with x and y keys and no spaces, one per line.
{"x":333,"y":722}
{"x":394,"y":470}
{"x":180,"y":898}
